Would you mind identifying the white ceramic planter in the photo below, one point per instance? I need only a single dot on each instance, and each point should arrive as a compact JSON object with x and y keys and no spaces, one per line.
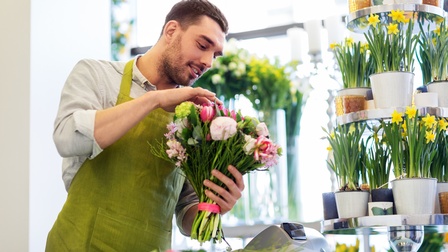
{"x":427,"y":99}
{"x":352,"y":204}
{"x":414,"y":195}
{"x":441,"y":88}
{"x":392,"y":89}
{"x":353,"y":91}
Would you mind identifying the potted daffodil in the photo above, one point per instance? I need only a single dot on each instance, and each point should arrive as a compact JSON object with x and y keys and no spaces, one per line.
{"x":355,"y":66}
{"x":410,"y":138}
{"x":433,"y":59}
{"x":392,"y":46}
{"x":346,"y":162}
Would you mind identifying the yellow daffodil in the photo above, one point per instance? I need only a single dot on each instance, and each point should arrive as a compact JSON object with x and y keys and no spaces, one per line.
{"x":373,"y":20}
{"x":404,"y":127}
{"x":333,"y":46}
{"x":430,"y":137}
{"x":392,"y":29}
{"x":443,"y":124}
{"x":352,"y":129}
{"x":397,"y":117}
{"x":349,"y":40}
{"x":411,"y":112}
{"x":397,"y":15}
{"x":429,"y":121}
{"x":437,"y":30}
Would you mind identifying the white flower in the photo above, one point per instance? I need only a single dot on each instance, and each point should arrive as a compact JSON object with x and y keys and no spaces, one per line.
{"x":216,"y":79}
{"x":249,"y":146}
{"x":180,"y":125}
{"x":233,"y":66}
{"x":262,"y":129}
{"x":223,"y":128}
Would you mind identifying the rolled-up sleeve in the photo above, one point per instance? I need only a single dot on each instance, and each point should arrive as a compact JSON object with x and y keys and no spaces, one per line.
{"x":187,"y":199}
{"x":81,"y":96}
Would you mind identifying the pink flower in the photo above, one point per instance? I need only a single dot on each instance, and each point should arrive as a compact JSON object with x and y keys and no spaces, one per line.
{"x":176,"y":150}
{"x":266,"y":151}
{"x":233,"y":114}
{"x":172,"y":128}
{"x":223,"y":128}
{"x":207,"y":113}
{"x":262,"y":129}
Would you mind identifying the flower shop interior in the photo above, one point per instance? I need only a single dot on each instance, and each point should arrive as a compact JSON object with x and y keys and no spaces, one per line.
{"x":283,"y":63}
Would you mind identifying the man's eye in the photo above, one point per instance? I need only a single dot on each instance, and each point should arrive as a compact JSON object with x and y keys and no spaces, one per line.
{"x":202,"y":46}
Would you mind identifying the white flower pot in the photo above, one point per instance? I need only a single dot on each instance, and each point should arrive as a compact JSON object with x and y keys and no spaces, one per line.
{"x":414,"y":195}
{"x":392,"y":89}
{"x":352,"y":204}
{"x":441,"y":88}
{"x":427,"y":99}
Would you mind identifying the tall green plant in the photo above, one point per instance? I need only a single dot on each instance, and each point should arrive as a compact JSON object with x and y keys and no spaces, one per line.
{"x":433,"y":52}
{"x":392,"y":44}
{"x":354,"y":63}
{"x":345,"y":142}
{"x":376,"y":160}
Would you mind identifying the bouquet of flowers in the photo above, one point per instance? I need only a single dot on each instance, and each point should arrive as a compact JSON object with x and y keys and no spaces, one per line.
{"x":206,"y":137}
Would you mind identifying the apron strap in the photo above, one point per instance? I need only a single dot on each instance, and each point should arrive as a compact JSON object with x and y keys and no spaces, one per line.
{"x":126,"y":81}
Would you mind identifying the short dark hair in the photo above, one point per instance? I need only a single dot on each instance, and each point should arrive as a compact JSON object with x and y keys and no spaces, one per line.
{"x":188,"y":12}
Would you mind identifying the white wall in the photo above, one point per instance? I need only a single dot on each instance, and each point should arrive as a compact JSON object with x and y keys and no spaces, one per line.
{"x":14,"y":124}
{"x":42,"y":42}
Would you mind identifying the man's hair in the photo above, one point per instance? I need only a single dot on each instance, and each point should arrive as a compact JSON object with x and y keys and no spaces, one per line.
{"x":188,"y":12}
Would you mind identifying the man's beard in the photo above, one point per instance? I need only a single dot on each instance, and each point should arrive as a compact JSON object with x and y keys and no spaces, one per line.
{"x":172,"y":67}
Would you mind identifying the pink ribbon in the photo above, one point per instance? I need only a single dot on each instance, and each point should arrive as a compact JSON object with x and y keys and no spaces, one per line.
{"x":213,"y":208}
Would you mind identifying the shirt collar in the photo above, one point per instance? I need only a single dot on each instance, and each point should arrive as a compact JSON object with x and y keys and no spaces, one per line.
{"x":140,"y":79}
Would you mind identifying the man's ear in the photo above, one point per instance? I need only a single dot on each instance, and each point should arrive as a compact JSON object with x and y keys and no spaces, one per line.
{"x":171,"y":27}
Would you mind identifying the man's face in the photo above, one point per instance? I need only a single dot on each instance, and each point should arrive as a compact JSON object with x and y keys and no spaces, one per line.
{"x":191,"y":53}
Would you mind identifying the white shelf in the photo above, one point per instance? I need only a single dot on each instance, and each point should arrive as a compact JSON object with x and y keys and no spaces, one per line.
{"x":377,"y":114}
{"x":379,"y":224}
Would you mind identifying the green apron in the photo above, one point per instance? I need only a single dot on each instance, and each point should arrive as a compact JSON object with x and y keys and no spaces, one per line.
{"x":123,"y":199}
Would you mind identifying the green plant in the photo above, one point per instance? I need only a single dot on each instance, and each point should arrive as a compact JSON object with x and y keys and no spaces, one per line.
{"x":228,"y":75}
{"x":439,"y":165}
{"x":411,"y":140}
{"x":120,"y":30}
{"x":270,"y":84}
{"x":432,"y":54}
{"x":392,"y":44}
{"x":376,"y":160}
{"x":345,"y":142}
{"x":354,"y":63}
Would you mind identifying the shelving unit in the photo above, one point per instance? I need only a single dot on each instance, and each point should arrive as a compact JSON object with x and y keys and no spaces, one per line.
{"x":358,"y":21}
{"x":388,"y":224}
{"x":372,"y":114}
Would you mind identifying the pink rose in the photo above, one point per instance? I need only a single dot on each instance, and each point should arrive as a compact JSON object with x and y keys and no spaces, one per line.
{"x":207,"y":113}
{"x":262,"y":129}
{"x":222,"y":128}
{"x":264,"y":148}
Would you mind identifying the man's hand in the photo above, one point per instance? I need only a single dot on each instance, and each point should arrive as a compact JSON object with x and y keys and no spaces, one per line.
{"x":226,"y":199}
{"x":168,"y":99}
